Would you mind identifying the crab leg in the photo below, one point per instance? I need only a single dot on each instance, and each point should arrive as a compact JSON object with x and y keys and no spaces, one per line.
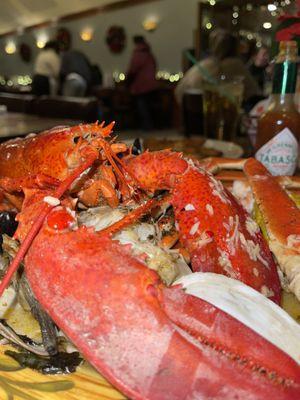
{"x":282,"y":221}
{"x":287,"y":182}
{"x":229,"y":170}
{"x":217,"y":164}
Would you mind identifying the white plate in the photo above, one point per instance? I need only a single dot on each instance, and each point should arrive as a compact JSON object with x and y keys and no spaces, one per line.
{"x":229,"y":149}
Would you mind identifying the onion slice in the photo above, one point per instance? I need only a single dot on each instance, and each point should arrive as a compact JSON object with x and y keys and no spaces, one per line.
{"x":248,"y":306}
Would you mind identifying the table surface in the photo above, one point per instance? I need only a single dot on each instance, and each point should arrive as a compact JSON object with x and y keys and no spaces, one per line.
{"x":19,"y":124}
{"x":14,"y":124}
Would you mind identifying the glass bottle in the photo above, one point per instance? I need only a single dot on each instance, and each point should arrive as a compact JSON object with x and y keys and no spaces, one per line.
{"x":278,"y":130}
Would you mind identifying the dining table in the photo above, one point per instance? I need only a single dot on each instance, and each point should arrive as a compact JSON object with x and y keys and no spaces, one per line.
{"x":13,"y":124}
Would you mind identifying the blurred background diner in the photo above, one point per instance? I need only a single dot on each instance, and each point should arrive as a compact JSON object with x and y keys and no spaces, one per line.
{"x":159,"y":68}
{"x":46,"y":70}
{"x":223,"y":60}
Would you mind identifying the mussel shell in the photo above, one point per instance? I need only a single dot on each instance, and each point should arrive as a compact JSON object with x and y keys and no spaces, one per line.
{"x":8,"y":223}
{"x":137,"y":147}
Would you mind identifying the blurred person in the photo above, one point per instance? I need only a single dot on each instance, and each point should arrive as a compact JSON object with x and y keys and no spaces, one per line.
{"x":223,"y":60}
{"x":46,"y":70}
{"x":258,"y":66}
{"x":97,"y":75}
{"x":141,"y":79}
{"x":76,"y":73}
{"x":246,"y":49}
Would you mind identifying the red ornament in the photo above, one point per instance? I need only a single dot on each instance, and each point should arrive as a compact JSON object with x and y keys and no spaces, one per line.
{"x":116,"y":39}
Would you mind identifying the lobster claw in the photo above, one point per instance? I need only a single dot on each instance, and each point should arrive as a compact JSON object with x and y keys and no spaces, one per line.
{"x":217,"y":232}
{"x":123,"y":320}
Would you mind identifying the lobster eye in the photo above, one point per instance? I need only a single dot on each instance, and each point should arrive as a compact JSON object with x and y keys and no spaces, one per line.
{"x":76,"y":139}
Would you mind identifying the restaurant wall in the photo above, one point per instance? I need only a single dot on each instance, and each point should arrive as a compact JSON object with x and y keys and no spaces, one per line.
{"x":177,"y":20}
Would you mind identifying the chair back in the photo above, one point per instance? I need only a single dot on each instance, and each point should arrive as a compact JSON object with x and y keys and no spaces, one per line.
{"x":22,"y":103}
{"x":77,"y":108}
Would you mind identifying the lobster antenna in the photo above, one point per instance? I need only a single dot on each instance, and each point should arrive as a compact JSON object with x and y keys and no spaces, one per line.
{"x":133,"y":216}
{"x":45,"y":209}
{"x":112,"y":159}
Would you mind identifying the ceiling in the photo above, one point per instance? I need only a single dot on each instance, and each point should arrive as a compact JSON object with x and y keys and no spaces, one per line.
{"x":15,"y":15}
{"x":18,"y":14}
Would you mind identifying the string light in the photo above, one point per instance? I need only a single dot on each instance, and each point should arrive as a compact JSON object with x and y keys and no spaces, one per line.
{"x":168,"y":76}
{"x":41,"y":39}
{"x":150,"y":24}
{"x":250,"y":35}
{"x":40,"y":43}
{"x":235,"y":15}
{"x":212,"y":2}
{"x":267,"y":25}
{"x":10,"y":47}
{"x":87,"y":34}
{"x":272,"y":7}
{"x":208,"y":25}
{"x":249,"y":7}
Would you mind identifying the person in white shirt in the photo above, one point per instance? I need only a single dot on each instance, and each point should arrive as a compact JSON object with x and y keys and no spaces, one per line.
{"x":223,"y":60}
{"x":46,"y":70}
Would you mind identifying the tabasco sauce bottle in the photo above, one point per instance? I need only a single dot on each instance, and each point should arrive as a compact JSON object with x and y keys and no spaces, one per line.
{"x":278,"y":130}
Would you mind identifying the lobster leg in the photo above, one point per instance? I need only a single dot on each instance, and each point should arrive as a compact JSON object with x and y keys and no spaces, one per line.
{"x":117,"y":313}
{"x":103,"y":185}
{"x":283,"y":226}
{"x":99,"y":188}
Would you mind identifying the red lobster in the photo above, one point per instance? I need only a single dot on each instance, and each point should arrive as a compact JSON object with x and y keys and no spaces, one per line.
{"x":149,"y":340}
{"x":41,"y":161}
